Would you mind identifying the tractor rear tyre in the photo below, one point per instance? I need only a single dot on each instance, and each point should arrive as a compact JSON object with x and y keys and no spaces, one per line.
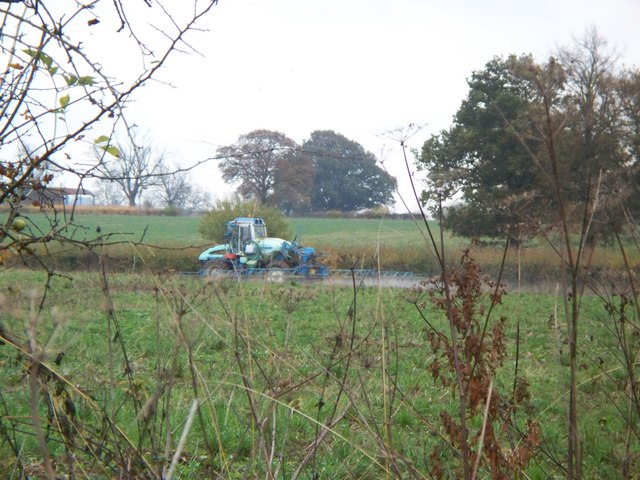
{"x":278,"y":265}
{"x":277,"y":270}
{"x":217,"y":268}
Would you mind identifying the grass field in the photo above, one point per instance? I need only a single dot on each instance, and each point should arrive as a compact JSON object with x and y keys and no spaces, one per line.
{"x":282,"y":371}
{"x":173,"y":243}
{"x":298,"y":380}
{"x":401,"y":243}
{"x":182,"y":231}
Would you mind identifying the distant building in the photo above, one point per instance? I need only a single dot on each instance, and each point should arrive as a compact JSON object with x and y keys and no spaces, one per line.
{"x":58,"y":196}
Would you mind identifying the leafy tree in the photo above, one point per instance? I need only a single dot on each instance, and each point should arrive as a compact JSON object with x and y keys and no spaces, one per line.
{"x":478,"y":158}
{"x":629,"y":92}
{"x":269,"y":167}
{"x":346,"y":176}
{"x":593,"y":139}
{"x":495,"y":158}
{"x":212,"y":226}
{"x":293,"y":183}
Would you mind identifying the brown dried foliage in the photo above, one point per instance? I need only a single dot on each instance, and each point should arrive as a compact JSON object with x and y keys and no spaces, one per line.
{"x":467,"y":362}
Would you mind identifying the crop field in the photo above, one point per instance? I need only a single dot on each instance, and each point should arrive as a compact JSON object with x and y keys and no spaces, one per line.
{"x":169,"y":242}
{"x":183,"y":230}
{"x":151,"y":242}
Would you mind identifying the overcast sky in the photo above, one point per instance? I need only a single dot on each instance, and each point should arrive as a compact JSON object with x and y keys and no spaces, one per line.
{"x":358,"y":67}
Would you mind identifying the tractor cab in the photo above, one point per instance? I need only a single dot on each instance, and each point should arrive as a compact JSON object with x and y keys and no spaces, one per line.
{"x":243,"y":232}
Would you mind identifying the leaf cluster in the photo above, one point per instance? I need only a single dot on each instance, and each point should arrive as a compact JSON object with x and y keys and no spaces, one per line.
{"x":467,"y":360}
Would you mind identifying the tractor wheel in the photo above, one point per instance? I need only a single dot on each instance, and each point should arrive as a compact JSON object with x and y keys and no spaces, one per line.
{"x":277,"y":270}
{"x":216,"y":268}
{"x":278,"y":265}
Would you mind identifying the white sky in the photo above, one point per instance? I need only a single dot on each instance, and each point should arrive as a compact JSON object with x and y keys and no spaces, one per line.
{"x":358,"y":67}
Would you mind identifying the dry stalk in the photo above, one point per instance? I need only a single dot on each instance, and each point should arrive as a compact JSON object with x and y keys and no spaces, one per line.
{"x":183,"y":439}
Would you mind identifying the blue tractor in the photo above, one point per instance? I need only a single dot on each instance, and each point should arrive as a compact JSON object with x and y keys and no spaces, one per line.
{"x":248,"y":250}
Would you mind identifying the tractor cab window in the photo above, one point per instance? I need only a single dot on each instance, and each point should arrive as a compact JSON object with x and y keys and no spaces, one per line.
{"x":260,"y":231}
{"x":240,"y":237}
{"x":245,"y":236}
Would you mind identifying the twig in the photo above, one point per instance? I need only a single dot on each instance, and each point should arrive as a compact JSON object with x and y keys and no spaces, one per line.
{"x":485,"y":420}
{"x":183,"y":438}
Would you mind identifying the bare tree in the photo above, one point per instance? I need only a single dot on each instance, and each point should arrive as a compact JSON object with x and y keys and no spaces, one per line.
{"x":176,"y":189}
{"x":57,"y":93}
{"x":108,"y":193}
{"x":134,"y":166}
{"x":253,"y":161}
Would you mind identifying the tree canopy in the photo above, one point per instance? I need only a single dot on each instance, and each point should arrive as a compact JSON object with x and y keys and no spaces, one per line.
{"x":346,"y":176}
{"x":328,"y":172}
{"x":269,"y":167}
{"x":525,"y":123}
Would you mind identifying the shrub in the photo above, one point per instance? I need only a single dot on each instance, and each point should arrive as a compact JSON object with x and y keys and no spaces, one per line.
{"x":377,"y":212}
{"x":333,"y":214}
{"x":212,"y":226}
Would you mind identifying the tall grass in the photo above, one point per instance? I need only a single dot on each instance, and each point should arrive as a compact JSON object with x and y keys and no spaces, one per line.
{"x":291,"y":380}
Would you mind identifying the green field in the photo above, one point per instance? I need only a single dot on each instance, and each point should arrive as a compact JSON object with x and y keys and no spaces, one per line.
{"x":298,"y":380}
{"x":340,"y":232}
{"x":173,"y":242}
{"x":142,"y":243}
{"x":153,"y":229}
{"x":282,"y":370}
{"x":182,"y":231}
